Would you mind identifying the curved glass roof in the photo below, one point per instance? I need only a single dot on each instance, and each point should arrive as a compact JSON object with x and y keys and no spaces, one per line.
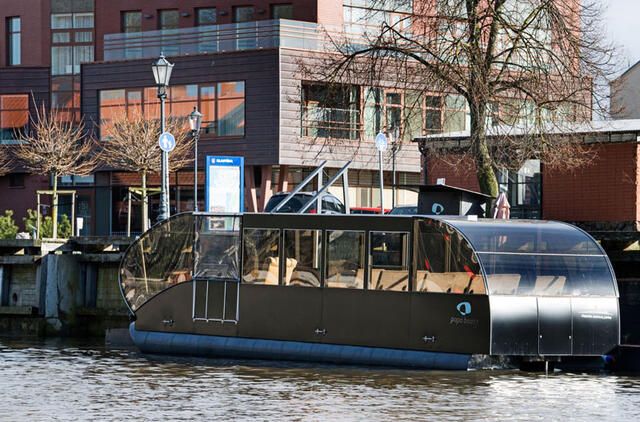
{"x":526,"y":236}
{"x":542,"y":258}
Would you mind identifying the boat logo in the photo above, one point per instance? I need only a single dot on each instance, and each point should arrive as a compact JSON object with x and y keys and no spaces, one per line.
{"x":464,"y":308}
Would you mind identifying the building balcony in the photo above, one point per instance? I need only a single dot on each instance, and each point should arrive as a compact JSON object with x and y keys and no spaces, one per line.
{"x":214,"y":39}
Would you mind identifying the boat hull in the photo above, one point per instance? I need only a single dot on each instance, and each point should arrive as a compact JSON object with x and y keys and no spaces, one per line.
{"x":248,"y":348}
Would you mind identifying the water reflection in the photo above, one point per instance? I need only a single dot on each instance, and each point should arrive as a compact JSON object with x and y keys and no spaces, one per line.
{"x":48,"y":380}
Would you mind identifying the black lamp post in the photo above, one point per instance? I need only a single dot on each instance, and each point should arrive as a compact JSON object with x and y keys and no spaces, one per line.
{"x":394,"y":134}
{"x":195,"y":120}
{"x":162,"y":74}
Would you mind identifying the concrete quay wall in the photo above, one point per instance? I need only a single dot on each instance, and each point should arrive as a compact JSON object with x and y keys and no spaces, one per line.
{"x":61,"y":287}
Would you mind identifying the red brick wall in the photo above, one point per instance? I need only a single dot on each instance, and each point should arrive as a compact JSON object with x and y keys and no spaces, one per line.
{"x":34,"y":22}
{"x":22,"y":198}
{"x":463,"y":175}
{"x":608,"y":189}
{"x":605,"y":190}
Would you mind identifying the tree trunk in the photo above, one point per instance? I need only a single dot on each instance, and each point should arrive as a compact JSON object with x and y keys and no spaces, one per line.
{"x":54,"y":208}
{"x":484,"y":168}
{"x":145,"y":203}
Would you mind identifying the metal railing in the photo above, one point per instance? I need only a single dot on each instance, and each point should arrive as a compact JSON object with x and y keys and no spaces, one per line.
{"x":215,"y":38}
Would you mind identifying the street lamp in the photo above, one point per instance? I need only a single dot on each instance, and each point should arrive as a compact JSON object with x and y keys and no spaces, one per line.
{"x":162,"y":73}
{"x":394,"y":134}
{"x":195,"y":120}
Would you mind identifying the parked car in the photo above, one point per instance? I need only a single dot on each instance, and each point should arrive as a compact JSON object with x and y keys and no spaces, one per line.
{"x":404,"y":210}
{"x":365,"y":210}
{"x":330,"y":204}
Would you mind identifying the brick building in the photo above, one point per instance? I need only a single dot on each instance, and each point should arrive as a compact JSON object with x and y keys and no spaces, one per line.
{"x":603,"y":194}
{"x":235,"y":61}
{"x":239,"y":63}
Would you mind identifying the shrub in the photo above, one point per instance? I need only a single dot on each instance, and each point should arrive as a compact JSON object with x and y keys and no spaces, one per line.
{"x":46,"y":225}
{"x":8,"y":228}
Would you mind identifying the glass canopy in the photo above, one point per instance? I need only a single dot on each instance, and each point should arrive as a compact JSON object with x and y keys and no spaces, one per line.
{"x":542,"y":258}
{"x":405,"y":253}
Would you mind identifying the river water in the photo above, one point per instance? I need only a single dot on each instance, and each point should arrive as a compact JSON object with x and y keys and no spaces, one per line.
{"x":44,"y":380}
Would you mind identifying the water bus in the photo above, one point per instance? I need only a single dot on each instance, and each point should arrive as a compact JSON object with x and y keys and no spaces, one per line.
{"x":408,"y":291}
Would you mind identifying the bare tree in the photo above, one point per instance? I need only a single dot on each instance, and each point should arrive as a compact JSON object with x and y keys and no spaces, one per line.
{"x":56,"y":147}
{"x":541,"y":60}
{"x":5,"y":162}
{"x":131,"y":144}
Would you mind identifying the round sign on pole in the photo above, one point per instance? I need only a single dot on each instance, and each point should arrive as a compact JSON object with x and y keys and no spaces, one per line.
{"x":167,"y":142}
{"x":381,"y":142}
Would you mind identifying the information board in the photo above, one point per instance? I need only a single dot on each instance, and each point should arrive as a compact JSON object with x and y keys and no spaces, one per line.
{"x":225,"y":184}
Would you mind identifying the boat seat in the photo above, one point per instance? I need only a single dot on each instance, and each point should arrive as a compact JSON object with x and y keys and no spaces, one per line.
{"x":270,"y":275}
{"x":347,"y":280}
{"x":383,"y":279}
{"x":549,"y":284}
{"x":449,"y":282}
{"x":504,"y":284}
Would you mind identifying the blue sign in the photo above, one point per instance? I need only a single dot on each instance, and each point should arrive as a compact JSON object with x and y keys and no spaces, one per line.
{"x":167,"y":142}
{"x":381,"y":142}
{"x":225,"y":184}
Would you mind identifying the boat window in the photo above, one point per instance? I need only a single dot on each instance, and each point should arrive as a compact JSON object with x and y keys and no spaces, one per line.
{"x":260,"y":256}
{"x":548,"y":275}
{"x":519,"y":236}
{"x":345,"y":259}
{"x":217,"y":247}
{"x":445,"y":261}
{"x":159,"y":259}
{"x":389,"y":261}
{"x":302,"y":256}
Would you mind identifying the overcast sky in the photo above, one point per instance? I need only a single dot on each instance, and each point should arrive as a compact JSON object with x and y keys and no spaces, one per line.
{"x":623,"y":22}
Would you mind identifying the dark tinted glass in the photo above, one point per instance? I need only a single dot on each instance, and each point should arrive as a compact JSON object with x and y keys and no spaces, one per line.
{"x":218,"y":247}
{"x":404,"y":211}
{"x":260,"y":259}
{"x":160,"y":258}
{"x":302,"y":252}
{"x":168,"y":19}
{"x":445,"y":261}
{"x":206,"y":16}
{"x":526,"y":237}
{"x":548,"y":275}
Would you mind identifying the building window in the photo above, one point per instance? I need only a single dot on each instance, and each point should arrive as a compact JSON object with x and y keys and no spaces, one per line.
{"x":72,"y":36}
{"x":205,"y":16}
{"x":383,"y":109}
{"x":14,"y":117}
{"x":13,"y":41}
{"x":131,"y":21}
{"x":243,"y":14}
{"x":331,"y":111}
{"x":230,"y":105}
{"x":221,"y":104}
{"x":16,"y":180}
{"x":524,"y":190}
{"x":282,"y":11}
{"x":168,"y":19}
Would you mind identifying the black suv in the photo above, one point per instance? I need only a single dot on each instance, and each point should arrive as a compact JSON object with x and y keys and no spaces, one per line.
{"x":330,"y":204}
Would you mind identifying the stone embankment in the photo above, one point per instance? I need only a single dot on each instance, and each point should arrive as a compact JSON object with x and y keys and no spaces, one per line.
{"x":61,"y":287}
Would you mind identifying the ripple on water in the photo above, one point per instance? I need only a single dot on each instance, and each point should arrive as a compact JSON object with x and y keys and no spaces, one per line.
{"x":54,"y":380}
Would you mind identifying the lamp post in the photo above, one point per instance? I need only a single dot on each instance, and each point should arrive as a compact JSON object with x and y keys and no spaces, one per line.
{"x":195,"y":120}
{"x":162,"y":73}
{"x":394,"y":134}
